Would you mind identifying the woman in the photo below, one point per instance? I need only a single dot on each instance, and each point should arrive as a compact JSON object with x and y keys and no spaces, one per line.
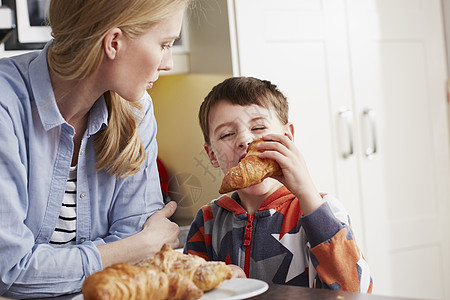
{"x":78,"y":173}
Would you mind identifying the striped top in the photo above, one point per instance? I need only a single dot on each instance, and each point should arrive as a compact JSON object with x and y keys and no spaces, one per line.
{"x":66,"y":226}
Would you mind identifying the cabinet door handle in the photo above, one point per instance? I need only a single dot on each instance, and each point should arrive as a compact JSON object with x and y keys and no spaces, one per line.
{"x":371,"y":141}
{"x":346,"y":130}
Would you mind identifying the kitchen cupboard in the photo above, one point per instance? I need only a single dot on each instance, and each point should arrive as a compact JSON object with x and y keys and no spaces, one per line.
{"x":366,"y":82}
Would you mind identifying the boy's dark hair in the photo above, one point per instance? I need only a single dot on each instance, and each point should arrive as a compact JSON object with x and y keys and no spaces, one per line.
{"x":243,"y":91}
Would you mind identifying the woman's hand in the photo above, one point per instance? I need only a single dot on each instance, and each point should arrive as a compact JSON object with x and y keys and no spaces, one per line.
{"x":160,"y":230}
{"x":157,"y":231}
{"x":237,"y":272}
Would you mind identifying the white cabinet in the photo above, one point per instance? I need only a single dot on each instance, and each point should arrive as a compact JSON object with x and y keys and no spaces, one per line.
{"x":366,"y":82}
{"x":399,"y":70}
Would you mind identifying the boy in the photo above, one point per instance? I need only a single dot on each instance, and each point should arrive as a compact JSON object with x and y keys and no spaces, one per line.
{"x":281,"y":230}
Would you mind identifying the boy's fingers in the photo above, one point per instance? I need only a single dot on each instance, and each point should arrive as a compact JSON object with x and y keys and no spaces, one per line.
{"x":169,"y":209}
{"x":277,"y":138}
{"x":289,"y":135}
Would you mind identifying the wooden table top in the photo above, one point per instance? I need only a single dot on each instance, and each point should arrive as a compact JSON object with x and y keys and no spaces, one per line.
{"x":283,"y":292}
{"x":277,"y":291}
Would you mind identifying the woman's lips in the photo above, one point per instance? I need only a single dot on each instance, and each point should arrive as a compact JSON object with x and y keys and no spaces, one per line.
{"x":150,"y":85}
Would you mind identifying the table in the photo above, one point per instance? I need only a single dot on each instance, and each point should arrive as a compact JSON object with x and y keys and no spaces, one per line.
{"x":283,"y":292}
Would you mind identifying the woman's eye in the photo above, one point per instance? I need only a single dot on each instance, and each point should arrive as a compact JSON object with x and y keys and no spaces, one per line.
{"x":166,"y":46}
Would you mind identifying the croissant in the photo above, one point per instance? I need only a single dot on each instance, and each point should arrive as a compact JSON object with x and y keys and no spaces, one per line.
{"x":251,"y":170}
{"x":206,"y":275}
{"x":168,"y":275}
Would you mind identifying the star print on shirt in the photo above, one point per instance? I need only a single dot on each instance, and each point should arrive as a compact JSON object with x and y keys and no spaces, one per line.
{"x":293,"y":242}
{"x":267,"y":267}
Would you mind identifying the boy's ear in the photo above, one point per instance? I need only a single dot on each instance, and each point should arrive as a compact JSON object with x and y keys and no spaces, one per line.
{"x":112,"y":42}
{"x":289,"y":131}
{"x":211,"y":155}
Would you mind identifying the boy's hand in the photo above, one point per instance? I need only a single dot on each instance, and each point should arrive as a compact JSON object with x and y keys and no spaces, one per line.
{"x":295,"y":176}
{"x":237,"y":272}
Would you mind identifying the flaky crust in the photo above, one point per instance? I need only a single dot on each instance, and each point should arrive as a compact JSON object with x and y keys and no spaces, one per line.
{"x":208,"y":276}
{"x":251,"y":170}
{"x":168,"y":275}
{"x":125,"y":281}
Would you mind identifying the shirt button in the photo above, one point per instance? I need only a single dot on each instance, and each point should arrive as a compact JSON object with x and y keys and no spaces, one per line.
{"x":83,"y":240}
{"x":81,"y":151}
{"x":82,"y":195}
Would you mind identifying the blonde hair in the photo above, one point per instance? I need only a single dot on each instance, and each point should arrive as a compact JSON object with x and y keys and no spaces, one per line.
{"x":78,"y":29}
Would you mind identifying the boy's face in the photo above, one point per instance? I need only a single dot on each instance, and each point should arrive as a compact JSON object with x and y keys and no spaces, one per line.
{"x":232,"y":127}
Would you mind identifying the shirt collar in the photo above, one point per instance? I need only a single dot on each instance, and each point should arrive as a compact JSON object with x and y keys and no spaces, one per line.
{"x":98,"y":116}
{"x":231,"y":204}
{"x":42,"y":92}
{"x":274,"y":201}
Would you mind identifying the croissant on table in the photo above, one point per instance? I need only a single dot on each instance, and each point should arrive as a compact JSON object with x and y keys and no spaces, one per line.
{"x":206,"y":275}
{"x":168,"y":275}
{"x":251,"y":170}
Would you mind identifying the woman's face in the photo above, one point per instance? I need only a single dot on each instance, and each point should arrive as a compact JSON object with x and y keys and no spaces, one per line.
{"x":144,"y":57}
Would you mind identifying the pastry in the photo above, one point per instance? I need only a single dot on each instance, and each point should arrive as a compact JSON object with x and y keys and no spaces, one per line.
{"x":206,"y":275}
{"x":251,"y":170}
{"x":168,"y":275}
{"x":125,"y":281}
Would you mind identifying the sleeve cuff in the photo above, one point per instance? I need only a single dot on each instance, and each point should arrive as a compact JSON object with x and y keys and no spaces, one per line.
{"x":90,"y":257}
{"x":320,"y":225}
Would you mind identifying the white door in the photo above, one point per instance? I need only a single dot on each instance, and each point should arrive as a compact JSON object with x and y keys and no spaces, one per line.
{"x":399,"y":73}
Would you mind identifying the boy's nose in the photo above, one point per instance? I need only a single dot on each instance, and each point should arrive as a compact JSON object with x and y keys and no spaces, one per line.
{"x":245,"y":141}
{"x":243,"y":145}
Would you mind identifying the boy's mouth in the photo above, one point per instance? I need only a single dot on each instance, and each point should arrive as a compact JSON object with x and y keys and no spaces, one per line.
{"x":242,"y":156}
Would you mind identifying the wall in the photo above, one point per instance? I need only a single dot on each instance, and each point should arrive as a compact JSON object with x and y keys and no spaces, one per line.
{"x":193,"y":180}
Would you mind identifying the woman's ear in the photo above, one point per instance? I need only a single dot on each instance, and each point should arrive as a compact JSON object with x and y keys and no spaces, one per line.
{"x":112,"y":42}
{"x":289,"y":130}
{"x":211,"y":155}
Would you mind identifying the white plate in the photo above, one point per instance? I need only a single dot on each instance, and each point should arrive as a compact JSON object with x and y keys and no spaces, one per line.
{"x":236,"y":288}
{"x":233,"y":289}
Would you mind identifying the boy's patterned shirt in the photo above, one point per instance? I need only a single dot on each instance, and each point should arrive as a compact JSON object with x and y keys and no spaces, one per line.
{"x":277,"y":244}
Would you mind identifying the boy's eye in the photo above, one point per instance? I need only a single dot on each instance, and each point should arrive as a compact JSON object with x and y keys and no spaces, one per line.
{"x":259,"y":128}
{"x":226,"y":135}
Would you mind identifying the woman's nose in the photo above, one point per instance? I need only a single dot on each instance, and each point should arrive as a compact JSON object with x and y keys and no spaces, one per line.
{"x":167,"y":61}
